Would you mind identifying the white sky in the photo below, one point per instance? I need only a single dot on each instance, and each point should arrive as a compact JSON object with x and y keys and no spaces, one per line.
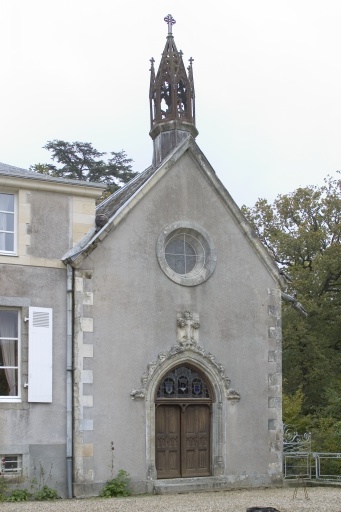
{"x":267,"y":77}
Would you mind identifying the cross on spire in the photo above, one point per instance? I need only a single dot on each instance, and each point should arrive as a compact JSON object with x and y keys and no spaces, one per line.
{"x":170,"y":22}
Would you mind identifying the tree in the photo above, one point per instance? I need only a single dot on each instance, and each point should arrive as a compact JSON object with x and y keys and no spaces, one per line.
{"x":81,"y":161}
{"x":302,"y":231}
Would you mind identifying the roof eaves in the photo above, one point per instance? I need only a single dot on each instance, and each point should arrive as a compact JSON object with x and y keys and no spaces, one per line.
{"x":18,"y":172}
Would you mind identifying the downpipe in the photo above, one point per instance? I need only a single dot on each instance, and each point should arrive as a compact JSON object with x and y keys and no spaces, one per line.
{"x":69,"y":379}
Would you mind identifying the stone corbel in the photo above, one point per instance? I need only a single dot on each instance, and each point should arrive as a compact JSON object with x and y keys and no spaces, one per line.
{"x":233,"y":396}
{"x":138,"y":393}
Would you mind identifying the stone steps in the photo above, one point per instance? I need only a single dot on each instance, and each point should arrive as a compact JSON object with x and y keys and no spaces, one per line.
{"x":183,"y":485}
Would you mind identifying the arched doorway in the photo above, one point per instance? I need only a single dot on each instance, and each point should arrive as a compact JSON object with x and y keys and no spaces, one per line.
{"x":183,"y":424}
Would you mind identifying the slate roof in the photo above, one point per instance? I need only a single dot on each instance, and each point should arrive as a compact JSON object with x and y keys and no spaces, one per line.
{"x":110,"y":208}
{"x":10,"y":170}
{"x":18,"y":172}
{"x":114,"y":202}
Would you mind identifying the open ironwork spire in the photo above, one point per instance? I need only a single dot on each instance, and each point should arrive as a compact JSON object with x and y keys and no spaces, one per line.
{"x":172,"y":99}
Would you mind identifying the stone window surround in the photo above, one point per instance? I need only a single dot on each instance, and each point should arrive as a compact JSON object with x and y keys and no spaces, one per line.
{"x":209,"y":258}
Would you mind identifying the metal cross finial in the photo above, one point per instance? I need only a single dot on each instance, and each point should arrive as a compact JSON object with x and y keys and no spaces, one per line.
{"x":170,"y":22}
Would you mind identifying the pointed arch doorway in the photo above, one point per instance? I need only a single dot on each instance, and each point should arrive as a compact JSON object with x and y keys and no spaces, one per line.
{"x":183,"y":424}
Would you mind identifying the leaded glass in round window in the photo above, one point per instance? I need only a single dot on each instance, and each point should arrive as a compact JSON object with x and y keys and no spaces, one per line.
{"x":180,"y":254}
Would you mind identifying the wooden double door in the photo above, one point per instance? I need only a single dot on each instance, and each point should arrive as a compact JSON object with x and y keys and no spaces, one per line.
{"x":182,"y":440}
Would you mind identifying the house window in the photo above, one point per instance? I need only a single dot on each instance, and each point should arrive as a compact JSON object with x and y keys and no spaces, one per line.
{"x":11,"y":465}
{"x":7,"y":223}
{"x":9,"y":354}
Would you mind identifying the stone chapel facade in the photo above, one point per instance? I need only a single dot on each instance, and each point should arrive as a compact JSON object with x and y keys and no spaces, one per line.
{"x":163,"y":352}
{"x":177,"y":327}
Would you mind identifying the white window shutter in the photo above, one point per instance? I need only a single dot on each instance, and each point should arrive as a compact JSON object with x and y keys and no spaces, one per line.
{"x":40,"y":355}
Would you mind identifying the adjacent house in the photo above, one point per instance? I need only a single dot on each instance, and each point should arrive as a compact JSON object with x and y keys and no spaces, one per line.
{"x":40,"y":218}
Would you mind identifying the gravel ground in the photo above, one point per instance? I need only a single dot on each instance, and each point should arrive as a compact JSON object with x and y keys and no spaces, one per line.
{"x":320,"y":499}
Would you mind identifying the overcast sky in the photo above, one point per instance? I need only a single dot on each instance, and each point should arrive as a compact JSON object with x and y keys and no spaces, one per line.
{"x":267,"y":77}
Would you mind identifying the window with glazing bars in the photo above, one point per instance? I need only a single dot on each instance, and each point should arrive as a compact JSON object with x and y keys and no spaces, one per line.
{"x":9,"y":353}
{"x":11,"y":465}
{"x":7,"y":223}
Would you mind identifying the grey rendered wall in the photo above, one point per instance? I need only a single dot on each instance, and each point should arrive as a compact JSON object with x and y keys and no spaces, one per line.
{"x":132,"y":318}
{"x":50,"y":230}
{"x":38,"y":431}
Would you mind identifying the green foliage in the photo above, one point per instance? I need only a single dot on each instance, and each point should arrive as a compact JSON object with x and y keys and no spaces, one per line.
{"x":118,"y":486}
{"x":19,"y":495}
{"x":292,"y":412}
{"x":3,"y":488}
{"x":326,"y":437}
{"x":81,"y":161}
{"x":40,"y":490}
{"x":302,"y":231}
{"x":45,"y":494}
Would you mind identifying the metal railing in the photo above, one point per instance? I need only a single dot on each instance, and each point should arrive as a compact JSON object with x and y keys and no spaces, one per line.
{"x":300,"y":462}
{"x":327,"y":466}
{"x":297,"y":465}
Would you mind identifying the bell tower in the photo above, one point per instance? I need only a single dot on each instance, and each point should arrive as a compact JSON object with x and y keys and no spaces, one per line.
{"x":172,"y":99}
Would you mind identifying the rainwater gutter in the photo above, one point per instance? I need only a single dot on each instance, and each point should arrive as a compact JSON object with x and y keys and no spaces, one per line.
{"x":69,"y":379}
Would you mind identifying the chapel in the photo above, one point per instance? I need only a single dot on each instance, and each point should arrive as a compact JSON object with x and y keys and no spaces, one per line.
{"x":177,"y":321}
{"x":143,"y":334}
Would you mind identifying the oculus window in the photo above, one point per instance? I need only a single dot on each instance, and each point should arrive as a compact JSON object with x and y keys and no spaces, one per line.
{"x":7,"y":223}
{"x":186,"y":253}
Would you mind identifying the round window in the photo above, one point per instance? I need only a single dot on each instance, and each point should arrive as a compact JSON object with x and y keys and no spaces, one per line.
{"x":180,"y":253}
{"x":186,"y":253}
